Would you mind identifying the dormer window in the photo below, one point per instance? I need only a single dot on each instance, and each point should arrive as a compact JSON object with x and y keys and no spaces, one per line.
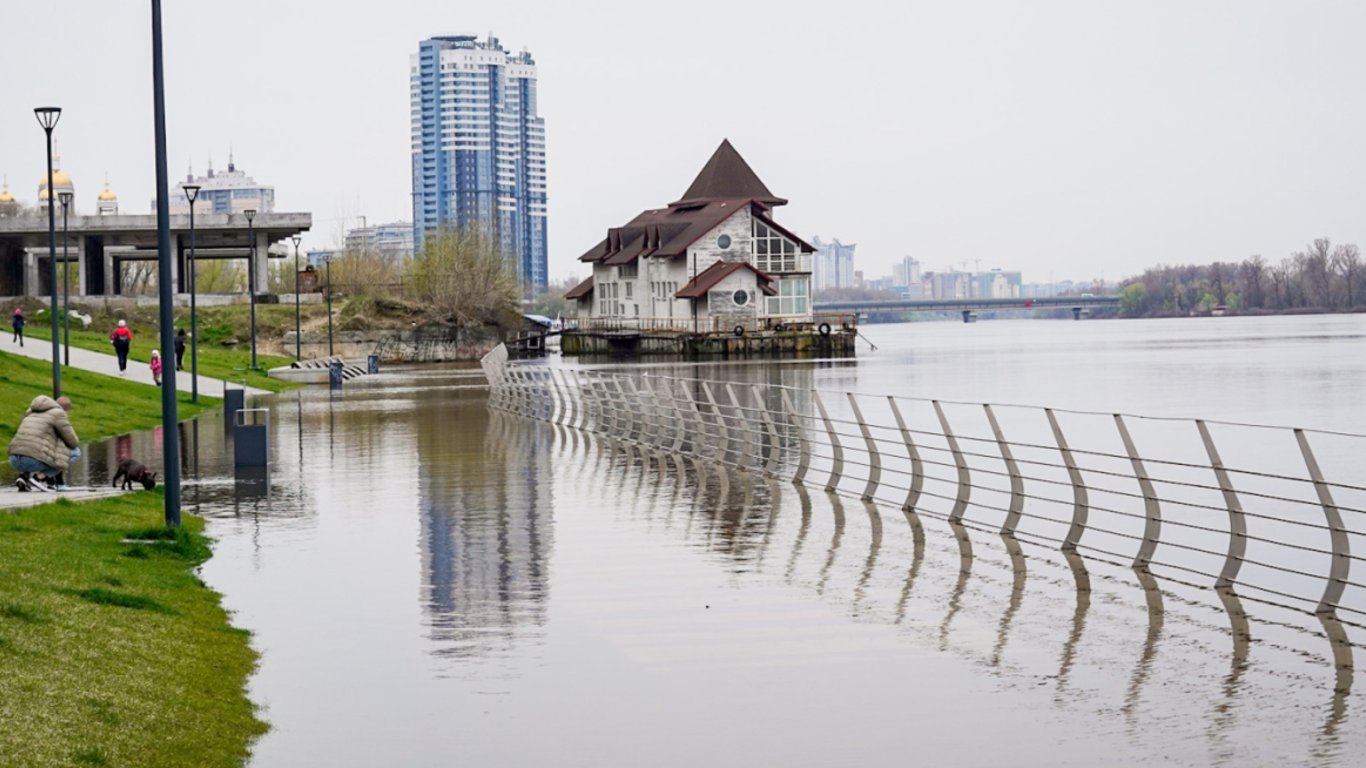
{"x":772,"y":251}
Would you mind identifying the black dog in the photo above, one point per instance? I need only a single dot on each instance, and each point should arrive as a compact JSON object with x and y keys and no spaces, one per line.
{"x":131,"y":470}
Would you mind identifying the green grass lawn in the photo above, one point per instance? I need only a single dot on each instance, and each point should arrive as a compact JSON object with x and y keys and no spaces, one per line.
{"x":114,"y":653}
{"x":215,"y":360}
{"x":103,"y":406}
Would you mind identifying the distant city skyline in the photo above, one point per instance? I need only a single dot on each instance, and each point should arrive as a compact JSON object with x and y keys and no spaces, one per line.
{"x":1060,"y":137}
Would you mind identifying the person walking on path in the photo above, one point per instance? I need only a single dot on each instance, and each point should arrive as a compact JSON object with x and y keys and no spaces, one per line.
{"x":180,"y":350}
{"x":156,"y":367}
{"x":122,"y":338}
{"x":18,"y":322}
{"x":44,"y":445}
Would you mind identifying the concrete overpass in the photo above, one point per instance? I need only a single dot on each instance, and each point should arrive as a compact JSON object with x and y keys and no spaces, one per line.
{"x":101,"y":244}
{"x":968,"y":306}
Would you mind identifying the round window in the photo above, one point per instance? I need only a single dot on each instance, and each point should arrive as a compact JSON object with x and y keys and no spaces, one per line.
{"x":723,"y":242}
{"x":741,"y":298}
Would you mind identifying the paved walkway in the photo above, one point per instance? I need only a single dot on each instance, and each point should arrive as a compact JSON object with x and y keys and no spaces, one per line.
{"x":12,"y":498}
{"x":97,"y":362}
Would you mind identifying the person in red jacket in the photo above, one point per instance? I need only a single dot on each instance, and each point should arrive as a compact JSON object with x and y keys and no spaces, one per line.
{"x":122,"y":339}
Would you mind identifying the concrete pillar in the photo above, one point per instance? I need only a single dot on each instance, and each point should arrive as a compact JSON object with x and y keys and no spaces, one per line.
{"x":112,"y":278}
{"x":78,"y":257}
{"x":30,"y":274}
{"x":178,"y":249}
{"x":262,"y":263}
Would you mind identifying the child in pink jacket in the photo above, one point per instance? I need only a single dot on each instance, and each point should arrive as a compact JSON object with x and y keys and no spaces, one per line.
{"x":156,"y":367}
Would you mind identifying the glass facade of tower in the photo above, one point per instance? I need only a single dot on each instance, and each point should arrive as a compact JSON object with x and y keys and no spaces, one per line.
{"x":478,"y":148}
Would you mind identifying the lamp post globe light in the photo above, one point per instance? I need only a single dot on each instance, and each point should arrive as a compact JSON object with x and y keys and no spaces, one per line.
{"x":192,"y":194}
{"x":65,"y":197}
{"x":48,"y":117}
{"x":298,"y":355}
{"x":250,"y":213}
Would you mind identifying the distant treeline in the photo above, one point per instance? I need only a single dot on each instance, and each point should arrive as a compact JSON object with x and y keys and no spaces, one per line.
{"x":1321,"y":278}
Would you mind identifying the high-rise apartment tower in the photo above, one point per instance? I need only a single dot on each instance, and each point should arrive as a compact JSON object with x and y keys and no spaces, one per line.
{"x":479,"y":148}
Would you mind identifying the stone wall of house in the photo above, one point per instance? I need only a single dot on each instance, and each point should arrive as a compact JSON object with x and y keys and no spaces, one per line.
{"x":707,"y":250}
{"x":721,"y":298}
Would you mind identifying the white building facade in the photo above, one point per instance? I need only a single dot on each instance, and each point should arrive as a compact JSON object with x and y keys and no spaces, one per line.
{"x":714,"y":258}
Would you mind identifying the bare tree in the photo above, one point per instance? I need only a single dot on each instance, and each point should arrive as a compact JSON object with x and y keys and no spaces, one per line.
{"x":465,"y":278}
{"x":1253,"y":274}
{"x":1347,"y":262}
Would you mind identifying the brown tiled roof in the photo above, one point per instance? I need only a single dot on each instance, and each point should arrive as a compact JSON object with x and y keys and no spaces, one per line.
{"x":662,"y":232}
{"x":727,"y":176}
{"x":709,"y":277}
{"x":582,"y":290}
{"x":725,"y":185}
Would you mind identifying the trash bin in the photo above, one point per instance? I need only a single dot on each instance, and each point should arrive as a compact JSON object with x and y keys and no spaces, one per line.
{"x":372,"y":364}
{"x":234,"y":400}
{"x":334,"y":374}
{"x":251,"y":438}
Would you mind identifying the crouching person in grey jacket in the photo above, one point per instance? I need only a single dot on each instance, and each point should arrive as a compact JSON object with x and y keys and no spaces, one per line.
{"x":44,"y":446}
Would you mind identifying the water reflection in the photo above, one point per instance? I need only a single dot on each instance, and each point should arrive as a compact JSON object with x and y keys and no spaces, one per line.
{"x":482,"y":492}
{"x":487,"y":571}
{"x":1156,"y":687}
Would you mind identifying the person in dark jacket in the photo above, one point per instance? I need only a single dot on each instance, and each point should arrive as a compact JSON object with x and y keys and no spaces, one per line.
{"x":44,"y":445}
{"x":122,"y":339}
{"x":180,"y":350}
{"x":17,"y":320}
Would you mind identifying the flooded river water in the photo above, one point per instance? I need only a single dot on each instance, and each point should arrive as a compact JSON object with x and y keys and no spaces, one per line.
{"x":432,"y":583}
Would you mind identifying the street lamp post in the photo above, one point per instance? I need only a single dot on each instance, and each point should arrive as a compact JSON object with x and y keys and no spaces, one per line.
{"x":250,"y":213}
{"x":192,"y":194}
{"x":48,"y":117}
{"x":65,"y":197}
{"x":298,"y":354}
{"x":170,"y":434}
{"x":328,"y":261}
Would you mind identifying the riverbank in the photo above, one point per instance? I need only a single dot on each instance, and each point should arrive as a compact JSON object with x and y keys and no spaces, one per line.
{"x":111,"y":653}
{"x":115,"y":653}
{"x":103,"y":406}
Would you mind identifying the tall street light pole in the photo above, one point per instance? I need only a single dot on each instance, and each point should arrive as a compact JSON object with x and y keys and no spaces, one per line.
{"x":298,"y":354}
{"x":328,"y":262}
{"x":48,"y":117}
{"x":65,"y":197}
{"x":192,"y":194}
{"x":250,"y":213}
{"x":170,"y":433}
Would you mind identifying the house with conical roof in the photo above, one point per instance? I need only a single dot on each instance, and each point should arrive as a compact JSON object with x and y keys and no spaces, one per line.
{"x":712,"y":260}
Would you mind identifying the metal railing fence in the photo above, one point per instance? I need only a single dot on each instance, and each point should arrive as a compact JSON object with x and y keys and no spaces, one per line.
{"x":1270,"y":509}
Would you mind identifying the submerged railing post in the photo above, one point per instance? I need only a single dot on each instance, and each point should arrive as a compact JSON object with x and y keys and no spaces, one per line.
{"x":803,"y":447}
{"x":1237,"y":522}
{"x":1079,"y":496}
{"x":1152,"y":512}
{"x":960,"y":503}
{"x":874,"y":460}
{"x":699,"y":432}
{"x":746,"y":438}
{"x":917,"y":468}
{"x":1342,"y":552}
{"x":1012,"y":520}
{"x":836,"y":451}
{"x":723,"y":431}
{"x":771,"y":466}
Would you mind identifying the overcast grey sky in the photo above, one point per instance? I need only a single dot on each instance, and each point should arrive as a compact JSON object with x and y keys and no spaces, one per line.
{"x":1069,"y":139}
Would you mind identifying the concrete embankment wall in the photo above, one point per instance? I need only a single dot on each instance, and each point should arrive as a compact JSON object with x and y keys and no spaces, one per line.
{"x":410,"y":346}
{"x":718,"y":345}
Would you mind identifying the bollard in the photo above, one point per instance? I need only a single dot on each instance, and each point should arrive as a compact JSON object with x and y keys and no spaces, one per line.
{"x":234,"y":400}
{"x":251,"y":438}
{"x":334,"y":374}
{"x":372,"y":364}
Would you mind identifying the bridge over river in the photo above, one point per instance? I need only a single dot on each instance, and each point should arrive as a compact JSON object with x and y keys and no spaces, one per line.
{"x":969,"y":306}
